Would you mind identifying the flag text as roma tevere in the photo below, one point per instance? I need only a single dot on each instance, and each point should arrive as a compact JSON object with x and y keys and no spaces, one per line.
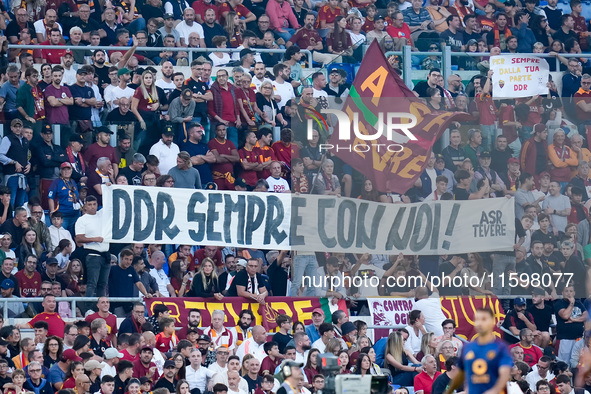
{"x":304,"y":222}
{"x":389,"y":154}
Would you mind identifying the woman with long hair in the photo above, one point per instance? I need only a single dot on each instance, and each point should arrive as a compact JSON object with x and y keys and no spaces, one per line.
{"x":539,"y":26}
{"x":73,"y":276}
{"x":298,"y":326}
{"x":244,"y":369}
{"x":428,"y":346}
{"x":52,"y":351}
{"x":180,"y":279}
{"x":399,"y":360}
{"x":179,"y":363}
{"x":182,"y":387}
{"x":30,"y":244}
{"x":369,"y":192}
{"x":333,"y":346}
{"x":205,"y":283}
{"x":62,"y":253}
{"x":371,"y":353}
{"x":311,"y":368}
{"x":145,"y":106}
{"x":363,"y":365}
{"x":76,"y":369}
{"x":339,"y":41}
{"x":344,"y":361}
{"x":81,"y":344}
{"x":234,"y":29}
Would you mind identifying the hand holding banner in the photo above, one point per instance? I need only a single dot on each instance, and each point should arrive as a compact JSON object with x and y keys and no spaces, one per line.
{"x":519,"y":75}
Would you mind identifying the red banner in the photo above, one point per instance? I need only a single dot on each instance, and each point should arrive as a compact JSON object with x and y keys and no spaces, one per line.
{"x":378,"y":91}
{"x":461,"y":309}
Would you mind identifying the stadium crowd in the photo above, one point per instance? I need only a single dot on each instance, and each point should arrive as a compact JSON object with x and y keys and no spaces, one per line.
{"x":242,"y":128}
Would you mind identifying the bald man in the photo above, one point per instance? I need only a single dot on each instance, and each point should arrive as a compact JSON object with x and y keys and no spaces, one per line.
{"x":82,"y":384}
{"x":164,"y":287}
{"x":254,"y":345}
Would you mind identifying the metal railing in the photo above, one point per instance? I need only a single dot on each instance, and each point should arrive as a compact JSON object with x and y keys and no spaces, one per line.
{"x":447,"y":55}
{"x":152,"y":49}
{"x":72,"y":300}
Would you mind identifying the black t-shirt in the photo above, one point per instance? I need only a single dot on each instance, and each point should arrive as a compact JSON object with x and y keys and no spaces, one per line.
{"x":13,"y":29}
{"x":16,"y":232}
{"x":133,"y":177}
{"x":120,"y":385}
{"x":421,"y":89}
{"x":76,"y":112}
{"x":98,"y":348}
{"x":103,"y":75}
{"x":440,"y":384}
{"x":461,"y":194}
{"x":115,"y":117}
{"x":568,"y":330}
{"x":542,"y":316}
{"x":253,"y":384}
{"x":198,"y":88}
{"x":210,"y":32}
{"x":541,"y":158}
{"x":511,"y":320}
{"x":282,"y":341}
{"x":88,"y":26}
{"x":562,"y":36}
{"x":9,"y":212}
{"x":45,"y":277}
{"x":164,"y":383}
{"x":538,"y":235}
{"x":241,"y":279}
{"x":445,"y":269}
{"x":467,"y":37}
{"x":453,"y":40}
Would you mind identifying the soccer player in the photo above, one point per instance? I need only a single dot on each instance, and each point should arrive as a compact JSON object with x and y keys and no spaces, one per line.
{"x":486,"y":362}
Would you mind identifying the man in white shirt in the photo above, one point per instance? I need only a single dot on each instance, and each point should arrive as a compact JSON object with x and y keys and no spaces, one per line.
{"x":57,"y":232}
{"x":122,"y":90}
{"x":188,"y":26}
{"x":302,"y":346}
{"x":281,"y":88}
{"x":220,"y":335}
{"x":196,"y":375}
{"x":440,"y":187}
{"x":221,"y":361}
{"x":259,"y":76}
{"x":276,"y":183}
{"x":326,"y":331}
{"x":166,"y":151}
{"x":111,"y":357}
{"x":233,"y":366}
{"x":164,"y":287}
{"x":254,"y":345}
{"x":42,"y":26}
{"x":431,"y":308}
{"x":89,"y":233}
{"x":234,"y":381}
{"x":540,"y":371}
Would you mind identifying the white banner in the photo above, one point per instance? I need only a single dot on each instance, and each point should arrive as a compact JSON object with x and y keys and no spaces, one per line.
{"x":196,"y":217}
{"x":519,"y":75}
{"x":390,"y":311}
{"x":305,"y":222}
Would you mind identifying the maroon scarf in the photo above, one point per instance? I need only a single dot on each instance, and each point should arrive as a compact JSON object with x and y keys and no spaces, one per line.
{"x":72,"y":159}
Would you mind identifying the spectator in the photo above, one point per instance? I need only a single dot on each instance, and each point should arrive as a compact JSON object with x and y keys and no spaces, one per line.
{"x":224,"y":107}
{"x":531,"y":353}
{"x":166,"y":151}
{"x":423,"y":382}
{"x":14,"y":154}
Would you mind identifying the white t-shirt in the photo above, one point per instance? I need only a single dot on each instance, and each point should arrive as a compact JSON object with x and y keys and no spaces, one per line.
{"x":118,"y":93}
{"x":249,"y":346}
{"x":92,"y":226}
{"x":223,"y":378}
{"x":318,"y":344}
{"x":184,"y":30}
{"x":413,"y":343}
{"x":166,"y":155}
{"x":285,"y":91}
{"x":277,"y":185}
{"x":69,"y":77}
{"x":166,"y":86}
{"x":198,"y":378}
{"x":220,"y":61}
{"x":257,"y":83}
{"x":357,"y":39}
{"x":431,"y":309}
{"x":162,"y":280}
{"x":40,"y":28}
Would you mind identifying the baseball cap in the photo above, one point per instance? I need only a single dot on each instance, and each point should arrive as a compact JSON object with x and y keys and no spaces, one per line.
{"x":3,"y":342}
{"x":93,"y":364}
{"x":168,"y":16}
{"x":484,"y":154}
{"x":68,"y":52}
{"x":16,"y":121}
{"x":168,"y":130}
{"x":111,"y":353}
{"x":70,"y":354}
{"x":51,"y":261}
{"x":147,"y":347}
{"x":319,"y":311}
{"x":439,"y":157}
{"x":241,"y":262}
{"x":7,"y":284}
{"x":122,"y":71}
{"x":246,"y":51}
{"x":104,"y":129}
{"x":46,"y":129}
{"x":82,"y":185}
{"x":340,"y":71}
{"x":510,"y":3}
{"x":169,"y":364}
{"x":513,"y":160}
{"x":519,"y":301}
{"x":204,"y":337}
{"x":77,"y":138}
{"x":545,"y":173}
{"x":187,"y":94}
{"x":145,"y":379}
{"x":65,"y":165}
{"x":192,"y":331}
{"x":81,"y":71}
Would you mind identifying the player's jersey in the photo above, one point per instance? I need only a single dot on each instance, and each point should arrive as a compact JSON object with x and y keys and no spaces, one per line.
{"x":481,"y":364}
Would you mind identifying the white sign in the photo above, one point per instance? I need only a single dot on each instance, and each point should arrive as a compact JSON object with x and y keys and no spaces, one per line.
{"x":305,"y":222}
{"x":518,"y":75}
{"x":391,"y":311}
